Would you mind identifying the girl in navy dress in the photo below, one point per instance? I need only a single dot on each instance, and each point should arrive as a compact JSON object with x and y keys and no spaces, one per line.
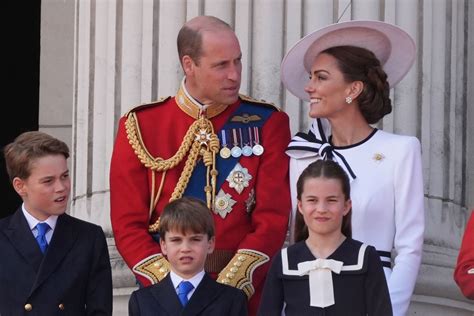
{"x":325,"y":272}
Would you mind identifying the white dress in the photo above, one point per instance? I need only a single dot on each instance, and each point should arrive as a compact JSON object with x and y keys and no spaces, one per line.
{"x":387,"y":197}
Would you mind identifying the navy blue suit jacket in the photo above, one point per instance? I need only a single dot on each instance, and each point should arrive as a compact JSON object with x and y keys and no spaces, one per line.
{"x":209,"y":298}
{"x":73,"y":277}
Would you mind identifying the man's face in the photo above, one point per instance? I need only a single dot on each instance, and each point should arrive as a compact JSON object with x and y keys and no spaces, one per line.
{"x":186,"y":253}
{"x":215,"y":78}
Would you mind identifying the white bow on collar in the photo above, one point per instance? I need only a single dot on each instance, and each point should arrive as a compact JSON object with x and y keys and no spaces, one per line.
{"x":320,"y":280}
{"x":316,"y":144}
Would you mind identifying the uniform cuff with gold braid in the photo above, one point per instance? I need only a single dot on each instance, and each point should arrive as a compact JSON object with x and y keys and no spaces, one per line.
{"x":154,"y":268}
{"x":239,"y":270}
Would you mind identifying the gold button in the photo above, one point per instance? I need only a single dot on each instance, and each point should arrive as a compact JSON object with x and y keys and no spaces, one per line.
{"x":28,"y":307}
{"x":61,"y":306}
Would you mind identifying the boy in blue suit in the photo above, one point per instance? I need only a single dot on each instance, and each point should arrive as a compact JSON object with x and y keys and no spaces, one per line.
{"x":52,"y":263}
{"x":186,"y":237}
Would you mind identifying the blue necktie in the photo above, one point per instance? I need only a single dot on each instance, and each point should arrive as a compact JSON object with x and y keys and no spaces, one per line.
{"x":41,"y":238}
{"x":183,"y":289}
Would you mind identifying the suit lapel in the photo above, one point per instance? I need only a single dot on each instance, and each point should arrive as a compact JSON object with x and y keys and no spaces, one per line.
{"x":21,"y":237}
{"x":62,"y":241}
{"x":165,"y":294}
{"x":206,"y":293}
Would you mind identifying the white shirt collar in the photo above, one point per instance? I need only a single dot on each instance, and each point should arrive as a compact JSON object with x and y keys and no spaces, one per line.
{"x":33,"y":221}
{"x":195,"y":280}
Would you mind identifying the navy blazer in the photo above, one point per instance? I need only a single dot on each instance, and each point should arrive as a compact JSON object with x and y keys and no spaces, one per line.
{"x":209,"y":298}
{"x":73,"y":277}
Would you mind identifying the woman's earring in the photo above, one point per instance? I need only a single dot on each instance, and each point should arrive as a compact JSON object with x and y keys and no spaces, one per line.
{"x":348,"y":100}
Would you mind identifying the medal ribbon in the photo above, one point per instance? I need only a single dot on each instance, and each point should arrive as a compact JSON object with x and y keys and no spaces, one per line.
{"x":224,"y":140}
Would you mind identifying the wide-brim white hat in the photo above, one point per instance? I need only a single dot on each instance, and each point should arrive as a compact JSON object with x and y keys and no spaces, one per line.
{"x":394,"y":47}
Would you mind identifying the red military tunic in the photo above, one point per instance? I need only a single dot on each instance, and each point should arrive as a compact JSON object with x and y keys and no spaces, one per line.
{"x":464,"y":272}
{"x":256,"y":223}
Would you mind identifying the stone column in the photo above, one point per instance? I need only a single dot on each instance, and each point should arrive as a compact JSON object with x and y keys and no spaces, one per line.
{"x":100,"y":58}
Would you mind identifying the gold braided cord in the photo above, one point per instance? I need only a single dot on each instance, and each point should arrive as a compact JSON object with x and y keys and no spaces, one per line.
{"x":200,"y":140}
{"x":214,"y":146}
{"x":157,"y":164}
{"x":154,"y":198}
{"x":186,"y":173}
{"x":160,"y":189}
{"x":150,"y":211}
{"x":206,"y":149}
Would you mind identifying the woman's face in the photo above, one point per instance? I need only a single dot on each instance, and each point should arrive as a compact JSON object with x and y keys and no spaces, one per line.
{"x":327,"y":88}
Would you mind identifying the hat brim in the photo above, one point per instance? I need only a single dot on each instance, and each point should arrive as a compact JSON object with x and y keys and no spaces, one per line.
{"x":394,"y":47}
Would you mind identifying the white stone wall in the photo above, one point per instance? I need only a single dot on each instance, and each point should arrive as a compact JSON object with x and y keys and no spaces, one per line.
{"x":101,"y":57}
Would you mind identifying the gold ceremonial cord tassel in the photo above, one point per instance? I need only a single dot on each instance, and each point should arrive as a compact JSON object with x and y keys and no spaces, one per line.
{"x":200,"y":140}
{"x":209,"y":159}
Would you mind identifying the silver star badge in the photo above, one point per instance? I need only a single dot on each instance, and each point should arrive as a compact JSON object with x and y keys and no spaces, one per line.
{"x":223,"y":204}
{"x":239,"y":178}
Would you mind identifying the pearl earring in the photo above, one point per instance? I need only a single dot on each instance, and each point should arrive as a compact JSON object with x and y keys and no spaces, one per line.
{"x":348,"y":100}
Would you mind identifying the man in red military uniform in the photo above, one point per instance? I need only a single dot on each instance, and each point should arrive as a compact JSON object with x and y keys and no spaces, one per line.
{"x":464,"y":272}
{"x":208,"y":142}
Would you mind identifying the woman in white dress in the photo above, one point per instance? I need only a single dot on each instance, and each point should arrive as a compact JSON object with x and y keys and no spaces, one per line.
{"x":345,"y":71}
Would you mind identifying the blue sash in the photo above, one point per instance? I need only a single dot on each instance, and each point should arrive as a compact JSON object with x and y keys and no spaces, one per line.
{"x":197,"y":182}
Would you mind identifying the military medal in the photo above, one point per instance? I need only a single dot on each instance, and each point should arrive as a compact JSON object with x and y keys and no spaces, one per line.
{"x":246,"y":150}
{"x":225,"y":151}
{"x":236,"y":151}
{"x":224,"y":204}
{"x":239,"y":178}
{"x":250,"y":201}
{"x":257,"y":148}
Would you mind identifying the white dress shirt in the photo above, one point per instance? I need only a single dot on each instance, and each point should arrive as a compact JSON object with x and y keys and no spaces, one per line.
{"x":195,"y":280}
{"x":32,"y":222}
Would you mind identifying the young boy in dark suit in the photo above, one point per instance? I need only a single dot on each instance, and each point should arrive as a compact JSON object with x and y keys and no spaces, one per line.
{"x":186,"y":238}
{"x":51,"y":263}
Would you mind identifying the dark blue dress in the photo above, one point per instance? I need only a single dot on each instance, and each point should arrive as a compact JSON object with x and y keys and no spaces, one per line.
{"x":359,"y":289}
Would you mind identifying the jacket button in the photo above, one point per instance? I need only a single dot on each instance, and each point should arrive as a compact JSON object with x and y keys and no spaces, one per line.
{"x":28,"y":307}
{"x":61,"y":306}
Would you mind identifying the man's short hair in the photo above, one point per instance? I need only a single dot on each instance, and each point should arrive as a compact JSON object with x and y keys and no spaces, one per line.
{"x":190,"y":36}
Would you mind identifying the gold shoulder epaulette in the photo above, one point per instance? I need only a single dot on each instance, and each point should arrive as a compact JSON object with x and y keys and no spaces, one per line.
{"x":145,"y":105}
{"x":260,"y":102}
{"x":239,"y":271}
{"x":154,"y":268}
